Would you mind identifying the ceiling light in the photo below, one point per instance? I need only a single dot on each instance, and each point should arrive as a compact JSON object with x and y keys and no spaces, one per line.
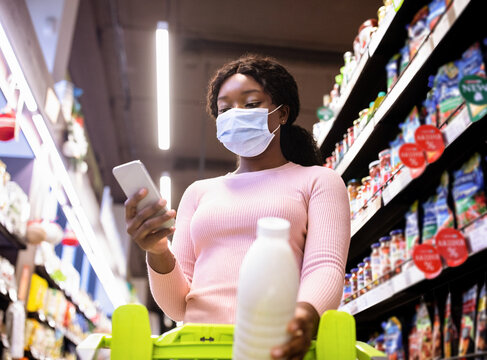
{"x":162,"y":71}
{"x":165,"y":188}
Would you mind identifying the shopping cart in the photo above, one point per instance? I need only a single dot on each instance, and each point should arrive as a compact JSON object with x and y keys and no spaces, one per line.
{"x":131,"y":339}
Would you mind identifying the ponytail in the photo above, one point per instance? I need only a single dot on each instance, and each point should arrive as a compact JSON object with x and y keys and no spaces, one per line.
{"x":298,"y":146}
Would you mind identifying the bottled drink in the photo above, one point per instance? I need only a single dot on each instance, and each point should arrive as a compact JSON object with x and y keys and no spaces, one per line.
{"x":267,"y":291}
{"x":375,"y":260}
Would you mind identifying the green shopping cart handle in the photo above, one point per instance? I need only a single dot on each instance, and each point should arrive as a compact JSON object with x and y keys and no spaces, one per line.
{"x":131,"y":339}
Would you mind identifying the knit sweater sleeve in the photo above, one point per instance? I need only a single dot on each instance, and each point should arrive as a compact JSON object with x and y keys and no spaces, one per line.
{"x":170,"y":290}
{"x":327,"y":242}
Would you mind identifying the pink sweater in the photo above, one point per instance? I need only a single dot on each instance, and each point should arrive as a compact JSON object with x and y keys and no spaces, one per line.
{"x":217,"y":222}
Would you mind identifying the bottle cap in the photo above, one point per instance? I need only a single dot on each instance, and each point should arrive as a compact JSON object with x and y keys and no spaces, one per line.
{"x":396,"y":232}
{"x":361,"y":264}
{"x":348,"y":276}
{"x":375,"y":245}
{"x":273,"y":227}
{"x":367,"y":259}
{"x":381,"y":94}
{"x":354,"y":270}
{"x":385,"y":238}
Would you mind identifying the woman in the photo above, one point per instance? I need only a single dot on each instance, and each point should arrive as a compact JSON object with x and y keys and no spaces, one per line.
{"x":255,"y":102}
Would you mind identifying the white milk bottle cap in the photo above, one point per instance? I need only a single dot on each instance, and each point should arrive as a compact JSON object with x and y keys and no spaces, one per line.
{"x":273,"y":227}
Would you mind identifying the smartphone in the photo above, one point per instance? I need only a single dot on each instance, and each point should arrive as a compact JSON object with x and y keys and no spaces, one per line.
{"x":132,"y":177}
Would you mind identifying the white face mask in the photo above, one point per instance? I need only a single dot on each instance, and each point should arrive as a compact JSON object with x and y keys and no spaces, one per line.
{"x":245,"y":132}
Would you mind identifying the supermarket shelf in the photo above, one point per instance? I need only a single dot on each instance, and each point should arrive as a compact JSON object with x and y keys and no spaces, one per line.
{"x":68,"y":335}
{"x":402,"y":286}
{"x":364,"y":83}
{"x":461,"y":137}
{"x":374,"y":134}
{"x":42,"y":272}
{"x":9,"y":240}
{"x":480,"y":355}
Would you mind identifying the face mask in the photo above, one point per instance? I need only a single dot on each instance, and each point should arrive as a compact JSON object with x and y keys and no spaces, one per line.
{"x":245,"y":132}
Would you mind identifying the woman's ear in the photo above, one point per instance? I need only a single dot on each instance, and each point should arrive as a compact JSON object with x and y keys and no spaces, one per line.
{"x":283,"y":114}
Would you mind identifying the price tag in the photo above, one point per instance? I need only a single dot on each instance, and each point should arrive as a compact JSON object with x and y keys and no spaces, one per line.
{"x":428,"y":260}
{"x":474,"y":90}
{"x":430,"y":139}
{"x":457,"y":126}
{"x":324,"y":113}
{"x":412,"y":156}
{"x":451,"y":246}
{"x":477,"y":236}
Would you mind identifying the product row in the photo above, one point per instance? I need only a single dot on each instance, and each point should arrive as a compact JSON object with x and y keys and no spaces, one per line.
{"x":441,"y":102}
{"x":467,"y":192}
{"x":437,"y":335}
{"x":418,"y":30}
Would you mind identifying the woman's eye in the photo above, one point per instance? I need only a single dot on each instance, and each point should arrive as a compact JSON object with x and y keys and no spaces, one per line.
{"x":221,"y":111}
{"x":252,"y":105}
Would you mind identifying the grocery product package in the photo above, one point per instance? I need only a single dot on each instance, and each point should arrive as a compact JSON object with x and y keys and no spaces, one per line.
{"x":444,"y":215}
{"x":404,"y":60}
{"x":418,"y":30}
{"x":467,"y":329}
{"x":392,"y":69}
{"x":436,"y":9}
{"x":436,"y":346}
{"x":393,"y":339}
{"x":412,"y":229}
{"x":429,"y":112}
{"x":450,"y":331}
{"x":414,"y":341}
{"x":481,"y":324}
{"x":468,"y":191}
{"x":429,"y":221}
{"x":395,"y":145}
{"x":409,"y":126}
{"x":425,"y":332}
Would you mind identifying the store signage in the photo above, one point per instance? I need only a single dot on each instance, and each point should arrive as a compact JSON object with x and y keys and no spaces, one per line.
{"x":428,"y":260}
{"x":474,"y":90}
{"x":412,"y":156}
{"x":452,"y":246}
{"x":324,"y":113}
{"x":430,"y":139}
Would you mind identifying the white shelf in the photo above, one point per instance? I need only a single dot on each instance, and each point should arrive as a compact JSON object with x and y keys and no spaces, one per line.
{"x":355,"y":148}
{"x":476,"y":234}
{"x":379,"y":34}
{"x":409,"y":277}
{"x":365,"y":215}
{"x":393,"y":188}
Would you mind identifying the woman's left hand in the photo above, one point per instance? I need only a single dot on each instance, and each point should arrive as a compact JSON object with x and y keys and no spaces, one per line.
{"x":302,"y":328}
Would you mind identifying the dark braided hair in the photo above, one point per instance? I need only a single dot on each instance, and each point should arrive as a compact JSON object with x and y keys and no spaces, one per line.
{"x":297,"y":144}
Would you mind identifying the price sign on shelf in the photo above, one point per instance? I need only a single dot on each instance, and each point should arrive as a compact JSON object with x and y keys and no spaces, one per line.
{"x":474,"y":90}
{"x":430,"y":139}
{"x":412,"y":156}
{"x":452,"y":246}
{"x":428,"y":260}
{"x":324,"y":113}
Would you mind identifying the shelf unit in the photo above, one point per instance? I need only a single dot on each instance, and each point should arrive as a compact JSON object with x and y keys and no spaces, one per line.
{"x":68,"y":335}
{"x":42,"y":272}
{"x":447,"y":42}
{"x":391,"y":293}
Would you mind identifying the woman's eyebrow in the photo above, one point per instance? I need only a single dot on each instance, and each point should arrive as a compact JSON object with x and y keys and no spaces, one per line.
{"x":243,"y":93}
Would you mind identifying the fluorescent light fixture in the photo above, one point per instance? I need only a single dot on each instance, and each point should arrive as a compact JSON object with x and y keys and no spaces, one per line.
{"x":165,"y":188}
{"x":17,"y":73}
{"x":162,"y":71}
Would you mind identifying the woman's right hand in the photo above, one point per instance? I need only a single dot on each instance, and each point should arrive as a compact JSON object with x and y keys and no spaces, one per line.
{"x":145,"y":229}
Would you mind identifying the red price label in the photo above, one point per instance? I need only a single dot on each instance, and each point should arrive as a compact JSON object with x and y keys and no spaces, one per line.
{"x":430,"y":139}
{"x":428,"y":260}
{"x":452,"y":246}
{"x":412,"y":156}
